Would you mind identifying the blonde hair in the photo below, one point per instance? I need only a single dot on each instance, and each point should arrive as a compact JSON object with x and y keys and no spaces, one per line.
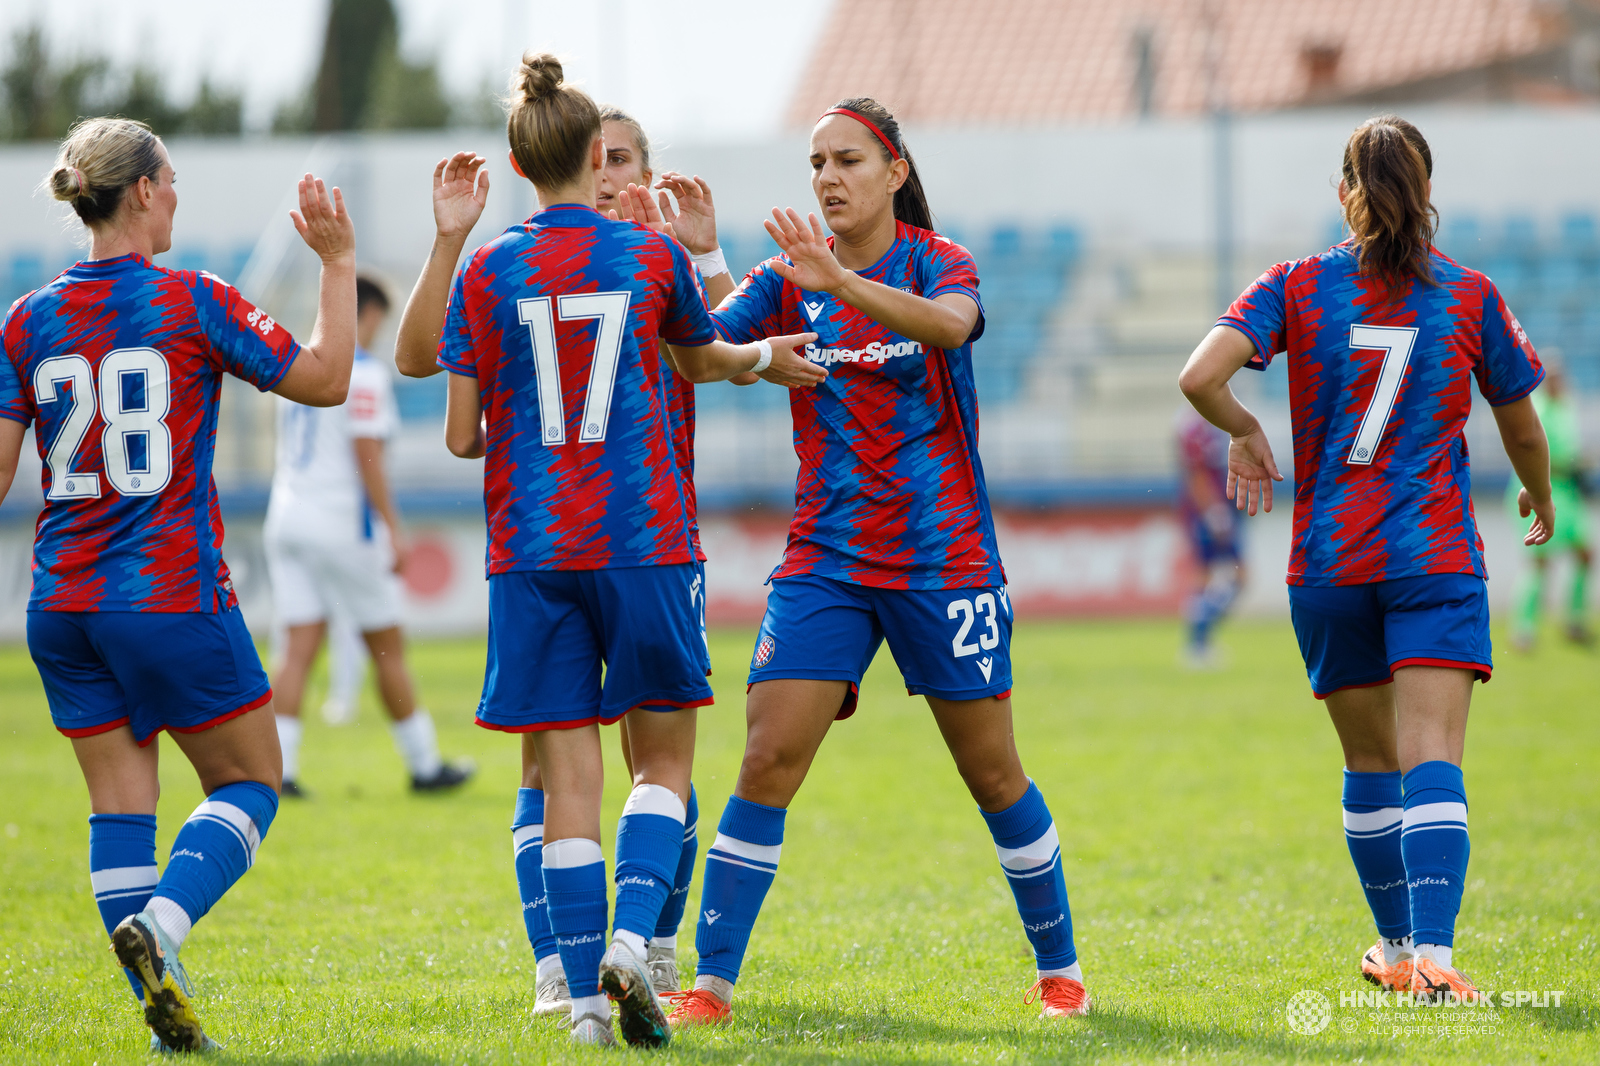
{"x":99,"y":161}
{"x":609,"y":113}
{"x":551,"y":125}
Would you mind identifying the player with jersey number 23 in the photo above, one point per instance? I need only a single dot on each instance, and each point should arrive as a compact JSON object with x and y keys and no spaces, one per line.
{"x":1384,"y":337}
{"x":133,"y":622}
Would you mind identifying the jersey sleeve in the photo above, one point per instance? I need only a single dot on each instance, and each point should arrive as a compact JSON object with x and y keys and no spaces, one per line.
{"x":244,"y":339}
{"x":456,"y":353}
{"x":1259,"y":314}
{"x":370,"y":408}
{"x":13,"y":401}
{"x":944,"y":266}
{"x":753,"y":310}
{"x":1509,"y":368}
{"x":686,"y":322}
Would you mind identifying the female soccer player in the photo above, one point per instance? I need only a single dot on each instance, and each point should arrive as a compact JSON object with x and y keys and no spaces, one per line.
{"x":1386,"y":579}
{"x":460,"y":193}
{"x":132,"y":621}
{"x":554,"y":375}
{"x":892,"y":539}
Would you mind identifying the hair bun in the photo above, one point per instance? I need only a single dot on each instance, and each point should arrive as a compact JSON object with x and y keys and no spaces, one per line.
{"x":539,"y":76}
{"x":66,"y":183}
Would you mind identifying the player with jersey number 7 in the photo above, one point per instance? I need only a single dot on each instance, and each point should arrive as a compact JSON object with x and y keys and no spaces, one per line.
{"x":1384,"y":337}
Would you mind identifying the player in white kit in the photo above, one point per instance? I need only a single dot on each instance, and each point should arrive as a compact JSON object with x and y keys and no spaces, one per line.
{"x":333,"y":549}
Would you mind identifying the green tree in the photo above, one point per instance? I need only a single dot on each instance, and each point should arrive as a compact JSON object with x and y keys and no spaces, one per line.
{"x":361,"y":33}
{"x":215,"y":112}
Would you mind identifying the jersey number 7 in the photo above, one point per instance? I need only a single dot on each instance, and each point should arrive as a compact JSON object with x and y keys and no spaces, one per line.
{"x":136,"y":447}
{"x":1396,"y":343}
{"x":611,"y":308}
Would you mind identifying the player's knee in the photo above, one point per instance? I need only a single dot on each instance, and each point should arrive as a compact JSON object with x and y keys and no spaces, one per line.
{"x":994,"y":787}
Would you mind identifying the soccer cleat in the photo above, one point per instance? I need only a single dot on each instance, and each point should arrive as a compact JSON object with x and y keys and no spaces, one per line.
{"x":1396,"y":978}
{"x":627,"y":981}
{"x":450,"y":775}
{"x":290,"y":789}
{"x":1062,"y":997}
{"x":137,"y":942}
{"x":699,"y":1006}
{"x":1430,"y":979}
{"x":591,"y":1029}
{"x":159,"y":1046}
{"x":551,"y":996}
{"x":663,"y":966}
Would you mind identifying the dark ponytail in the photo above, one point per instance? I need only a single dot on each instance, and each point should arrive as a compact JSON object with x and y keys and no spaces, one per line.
{"x":910,"y":202}
{"x":1387,"y":166}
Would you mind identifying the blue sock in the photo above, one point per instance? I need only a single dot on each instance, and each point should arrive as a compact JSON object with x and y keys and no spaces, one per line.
{"x":122,"y":869}
{"x":1372,"y":817}
{"x":1435,"y":845}
{"x":213,"y":850}
{"x":649,"y":845}
{"x":1209,"y":606}
{"x":740,"y":866}
{"x":1025,"y":839}
{"x":527,"y":851}
{"x":672,"y":910}
{"x":575,"y":885}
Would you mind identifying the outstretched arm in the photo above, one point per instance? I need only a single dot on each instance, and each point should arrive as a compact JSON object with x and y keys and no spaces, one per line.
{"x":720,"y":361}
{"x":320,"y":374}
{"x":1529,"y":451}
{"x":460,"y":191}
{"x":1204,"y":380}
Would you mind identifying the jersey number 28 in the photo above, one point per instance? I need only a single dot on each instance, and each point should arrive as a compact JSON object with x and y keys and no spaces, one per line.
{"x":135,"y":390}
{"x":1396,"y":343}
{"x":611,"y":308}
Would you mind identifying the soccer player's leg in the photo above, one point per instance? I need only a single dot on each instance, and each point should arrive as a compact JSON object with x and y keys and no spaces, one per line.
{"x":663,"y":949}
{"x":550,"y":992}
{"x":954,"y":648}
{"x":816,"y":641}
{"x":1437,"y":631}
{"x":298,"y":600}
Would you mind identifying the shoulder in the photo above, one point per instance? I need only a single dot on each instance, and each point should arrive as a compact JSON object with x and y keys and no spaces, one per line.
{"x":929,"y":245}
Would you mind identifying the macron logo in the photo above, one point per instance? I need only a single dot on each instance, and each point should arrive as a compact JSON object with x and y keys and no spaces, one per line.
{"x":813,"y":309}
{"x":711,"y":917}
{"x":986,"y":664}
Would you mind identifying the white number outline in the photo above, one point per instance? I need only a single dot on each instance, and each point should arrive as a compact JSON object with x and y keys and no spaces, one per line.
{"x":611,"y":309}
{"x":1396,"y":343}
{"x":959,"y":645}
{"x":990,"y":640}
{"x":65,"y":484}
{"x":149,"y":421}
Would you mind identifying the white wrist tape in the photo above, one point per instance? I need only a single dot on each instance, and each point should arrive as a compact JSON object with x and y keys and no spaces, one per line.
{"x":766,"y":357}
{"x":711,"y":264}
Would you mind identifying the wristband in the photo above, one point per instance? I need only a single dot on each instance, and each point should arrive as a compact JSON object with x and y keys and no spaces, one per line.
{"x":765,"y":360}
{"x":711,"y":264}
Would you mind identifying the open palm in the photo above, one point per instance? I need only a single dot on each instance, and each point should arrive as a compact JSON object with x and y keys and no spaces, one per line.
{"x":811,"y":263}
{"x":694,"y":223}
{"x":460,"y":191}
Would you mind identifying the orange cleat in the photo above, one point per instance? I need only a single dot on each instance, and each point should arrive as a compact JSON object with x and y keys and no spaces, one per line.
{"x":697,"y":1007}
{"x":1396,"y":978}
{"x":1062,"y":997}
{"x":1430,"y":979}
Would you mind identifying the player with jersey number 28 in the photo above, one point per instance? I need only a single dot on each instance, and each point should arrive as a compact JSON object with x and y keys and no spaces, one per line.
{"x":892,"y":539}
{"x":1384,"y":337}
{"x":550,"y":341}
{"x":132,"y":621}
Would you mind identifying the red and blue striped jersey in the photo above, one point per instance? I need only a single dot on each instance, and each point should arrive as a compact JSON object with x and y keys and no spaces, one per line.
{"x":1380,"y":390}
{"x":680,"y":407}
{"x":890,"y":491}
{"x":559,"y":318}
{"x":118,"y":364}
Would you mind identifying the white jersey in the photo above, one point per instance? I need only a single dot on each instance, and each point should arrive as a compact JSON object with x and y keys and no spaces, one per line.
{"x":317,"y":495}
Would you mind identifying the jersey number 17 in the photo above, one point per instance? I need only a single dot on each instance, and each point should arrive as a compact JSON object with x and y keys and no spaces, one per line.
{"x":611,"y":309}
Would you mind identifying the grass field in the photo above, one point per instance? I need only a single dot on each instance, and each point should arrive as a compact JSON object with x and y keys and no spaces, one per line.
{"x":1199,"y":822}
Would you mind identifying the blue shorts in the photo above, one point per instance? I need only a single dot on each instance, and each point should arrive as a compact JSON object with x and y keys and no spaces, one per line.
{"x":1210,"y":548}
{"x":550,"y":632}
{"x":951,"y":643}
{"x":1357,"y":636}
{"x":145,"y":669}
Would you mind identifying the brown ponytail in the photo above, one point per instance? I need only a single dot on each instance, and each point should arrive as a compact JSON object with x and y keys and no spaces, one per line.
{"x":1387,"y":166}
{"x":910,"y":202}
{"x":551,"y":125}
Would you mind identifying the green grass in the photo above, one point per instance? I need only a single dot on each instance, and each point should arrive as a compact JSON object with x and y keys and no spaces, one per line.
{"x":1198,"y":816}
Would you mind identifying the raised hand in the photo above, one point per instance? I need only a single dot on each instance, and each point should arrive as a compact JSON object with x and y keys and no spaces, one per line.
{"x":694,"y":223}
{"x":324,"y":224}
{"x":634,"y":205}
{"x":813,"y":266}
{"x":460,"y":191}
{"x":1251,"y":471}
{"x":1544,"y":518}
{"x":789,"y":366}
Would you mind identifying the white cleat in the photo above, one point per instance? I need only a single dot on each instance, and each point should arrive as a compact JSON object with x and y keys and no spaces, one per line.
{"x":551,"y":996}
{"x":593,"y":1029}
{"x":625,"y":979}
{"x":663,"y":966}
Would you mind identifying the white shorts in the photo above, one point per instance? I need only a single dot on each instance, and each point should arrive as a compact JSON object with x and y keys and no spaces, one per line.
{"x":310,"y":582}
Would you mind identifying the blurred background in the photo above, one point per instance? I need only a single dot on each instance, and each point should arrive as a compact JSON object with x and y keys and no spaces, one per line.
{"x":1119,"y":168}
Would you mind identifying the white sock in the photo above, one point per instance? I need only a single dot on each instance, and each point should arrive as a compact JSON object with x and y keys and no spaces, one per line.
{"x":1075,"y":971}
{"x":173,"y":919}
{"x":717,"y":986}
{"x":667,"y":945}
{"x":289,"y":730}
{"x":1395,"y":950}
{"x":1437,"y":952}
{"x":633,"y":941}
{"x":548,"y":966}
{"x":417,"y":744}
{"x":600,"y":1005}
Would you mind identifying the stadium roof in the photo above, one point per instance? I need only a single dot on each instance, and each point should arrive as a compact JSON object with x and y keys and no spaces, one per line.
{"x":1017,"y":61}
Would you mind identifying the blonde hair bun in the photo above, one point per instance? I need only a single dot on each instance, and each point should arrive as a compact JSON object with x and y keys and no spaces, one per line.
{"x":66,"y":183}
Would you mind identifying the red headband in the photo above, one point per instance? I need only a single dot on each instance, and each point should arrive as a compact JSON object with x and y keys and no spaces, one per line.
{"x":865,"y":121}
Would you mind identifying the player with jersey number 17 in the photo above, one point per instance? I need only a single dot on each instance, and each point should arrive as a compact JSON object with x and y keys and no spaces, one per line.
{"x":1384,"y":338}
{"x":551,"y":344}
{"x":133,"y":622}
